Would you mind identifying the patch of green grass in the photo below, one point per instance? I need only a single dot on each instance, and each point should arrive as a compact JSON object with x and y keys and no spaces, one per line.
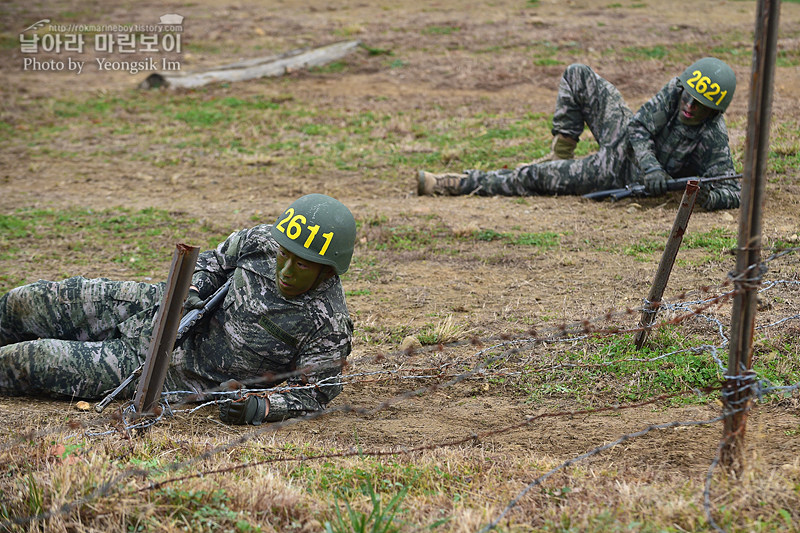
{"x":6,"y":129}
{"x":373,"y":334}
{"x":422,"y":478}
{"x":13,"y":227}
{"x":439,"y":30}
{"x":330,"y":68}
{"x":376,"y":51}
{"x":547,"y":62}
{"x":776,"y":358}
{"x":716,"y":240}
{"x":645,"y":52}
{"x":544,"y":240}
{"x":362,"y":267}
{"x":680,"y":54}
{"x":358,"y":292}
{"x":92,"y":108}
{"x":205,"y":509}
{"x":202,"y":117}
{"x":9,"y":41}
{"x":381,"y":518}
{"x":443,"y":331}
{"x":187,"y":125}
{"x":643,"y":250}
{"x":603,"y":372}
{"x":429,"y":236}
{"x":142,"y":241}
{"x":784,"y":153}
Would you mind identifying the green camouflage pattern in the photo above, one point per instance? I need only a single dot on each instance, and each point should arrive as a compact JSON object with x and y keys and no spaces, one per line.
{"x":257,"y":333}
{"x":75,"y":338}
{"x":629,"y":145}
{"x":80,"y":338}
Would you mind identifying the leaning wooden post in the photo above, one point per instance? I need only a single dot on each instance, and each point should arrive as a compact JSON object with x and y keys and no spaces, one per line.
{"x":667,"y":261}
{"x":737,"y":394}
{"x":169,"y":316}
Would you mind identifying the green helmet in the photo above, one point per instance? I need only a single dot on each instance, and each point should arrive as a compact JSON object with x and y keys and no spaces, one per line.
{"x":319,"y":229}
{"x":711,"y":82}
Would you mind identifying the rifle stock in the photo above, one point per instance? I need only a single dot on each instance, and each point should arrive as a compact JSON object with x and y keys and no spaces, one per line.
{"x":637,"y":189}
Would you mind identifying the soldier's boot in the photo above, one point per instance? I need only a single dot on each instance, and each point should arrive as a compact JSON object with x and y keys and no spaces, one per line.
{"x":429,"y":184}
{"x":562,"y":147}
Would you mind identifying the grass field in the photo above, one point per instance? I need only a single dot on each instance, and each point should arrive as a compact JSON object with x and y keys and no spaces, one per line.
{"x":524,"y":406}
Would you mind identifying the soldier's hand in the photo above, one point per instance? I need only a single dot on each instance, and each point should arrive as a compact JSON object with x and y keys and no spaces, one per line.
{"x":230,"y":385}
{"x":250,"y":410}
{"x":193,"y":301}
{"x":655,"y":182}
{"x":706,"y":197}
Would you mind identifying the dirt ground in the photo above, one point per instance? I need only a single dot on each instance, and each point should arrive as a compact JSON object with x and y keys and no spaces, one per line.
{"x":487,"y":287}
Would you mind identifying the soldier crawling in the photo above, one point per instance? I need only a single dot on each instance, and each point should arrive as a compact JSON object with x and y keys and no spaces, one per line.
{"x":679,"y":133}
{"x":285,"y":313}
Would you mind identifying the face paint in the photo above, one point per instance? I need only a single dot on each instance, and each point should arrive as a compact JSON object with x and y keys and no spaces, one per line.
{"x":692,"y":112}
{"x":294,"y":275}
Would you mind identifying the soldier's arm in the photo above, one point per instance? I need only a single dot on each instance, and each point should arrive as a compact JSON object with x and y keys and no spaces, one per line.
{"x":318,"y":379}
{"x":649,"y":120}
{"x":713,"y":156}
{"x":214,"y":266}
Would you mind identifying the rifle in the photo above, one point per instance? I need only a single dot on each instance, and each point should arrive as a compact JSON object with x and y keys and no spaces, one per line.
{"x":637,"y":189}
{"x":187,"y":323}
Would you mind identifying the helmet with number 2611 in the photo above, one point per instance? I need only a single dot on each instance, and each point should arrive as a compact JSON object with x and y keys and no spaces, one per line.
{"x":711,"y":82}
{"x":319,"y":229}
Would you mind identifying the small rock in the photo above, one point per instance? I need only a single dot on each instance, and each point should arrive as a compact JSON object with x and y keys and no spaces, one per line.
{"x":82,"y":406}
{"x":410,"y":343}
{"x":727,"y":217}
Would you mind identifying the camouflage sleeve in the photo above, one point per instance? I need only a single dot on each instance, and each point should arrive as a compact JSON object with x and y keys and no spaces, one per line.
{"x":721,"y":195}
{"x":714,"y":157}
{"x":648,"y":121}
{"x":713,"y":152}
{"x":319,"y":365}
{"x":213,"y":266}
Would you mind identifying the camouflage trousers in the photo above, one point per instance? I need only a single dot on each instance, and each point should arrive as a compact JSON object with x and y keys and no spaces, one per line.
{"x":584,"y":99}
{"x":75,"y":338}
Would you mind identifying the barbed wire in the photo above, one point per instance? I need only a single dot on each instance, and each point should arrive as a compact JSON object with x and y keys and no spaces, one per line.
{"x":539,"y":480}
{"x":576,"y":332}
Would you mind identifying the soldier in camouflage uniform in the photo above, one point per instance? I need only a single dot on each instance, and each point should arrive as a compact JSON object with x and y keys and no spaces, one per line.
{"x":680,"y":132}
{"x":285,"y":313}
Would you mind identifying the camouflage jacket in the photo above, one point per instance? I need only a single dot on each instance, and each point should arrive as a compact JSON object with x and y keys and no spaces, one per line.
{"x":660,"y":140}
{"x":258,"y":337}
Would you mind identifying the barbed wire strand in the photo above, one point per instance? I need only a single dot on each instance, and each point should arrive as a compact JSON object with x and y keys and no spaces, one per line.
{"x":107,"y":487}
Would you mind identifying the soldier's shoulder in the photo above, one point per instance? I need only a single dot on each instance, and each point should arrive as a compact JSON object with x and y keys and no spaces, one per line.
{"x":261,"y":237}
{"x":329,"y":300}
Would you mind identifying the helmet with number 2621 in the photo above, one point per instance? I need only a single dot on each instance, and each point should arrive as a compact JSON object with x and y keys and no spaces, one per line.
{"x":319,"y":229}
{"x":711,"y":82}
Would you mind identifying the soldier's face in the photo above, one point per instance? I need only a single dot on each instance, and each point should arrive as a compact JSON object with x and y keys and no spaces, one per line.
{"x":295,"y":275}
{"x":692,"y":112}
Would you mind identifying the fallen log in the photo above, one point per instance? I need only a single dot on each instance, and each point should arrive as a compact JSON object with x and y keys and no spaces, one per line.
{"x":276,"y":65}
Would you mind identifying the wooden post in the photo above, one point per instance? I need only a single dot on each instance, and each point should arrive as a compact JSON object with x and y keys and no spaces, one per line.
{"x":737,"y":395}
{"x":169,"y":316}
{"x":667,"y":261}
